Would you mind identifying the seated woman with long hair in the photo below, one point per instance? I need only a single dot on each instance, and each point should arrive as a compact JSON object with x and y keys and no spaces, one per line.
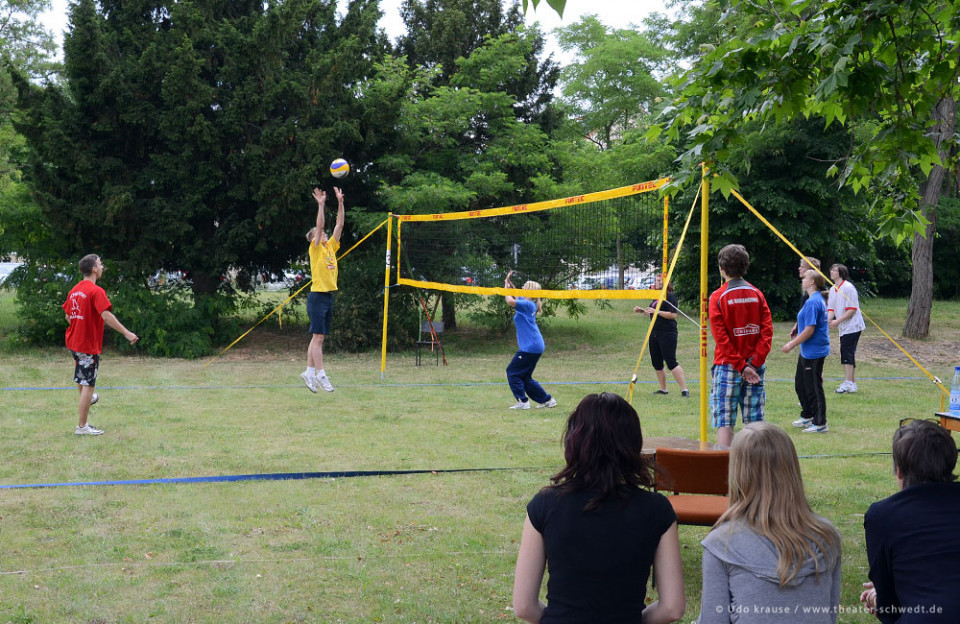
{"x":600,"y":528}
{"x":769,"y":558}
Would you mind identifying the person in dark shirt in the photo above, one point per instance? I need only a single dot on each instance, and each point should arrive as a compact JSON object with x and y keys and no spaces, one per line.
{"x":663,"y":339}
{"x":912,"y":541}
{"x":600,"y":528}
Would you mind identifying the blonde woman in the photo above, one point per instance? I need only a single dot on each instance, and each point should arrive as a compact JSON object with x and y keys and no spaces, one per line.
{"x":769,"y":558}
{"x":529,"y":349}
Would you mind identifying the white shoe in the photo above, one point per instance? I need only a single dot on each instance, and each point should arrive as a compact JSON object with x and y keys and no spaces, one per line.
{"x":816,"y":429}
{"x":803,"y":423}
{"x":88,"y":430}
{"x":310,"y":381}
{"x":325,"y":383}
{"x":94,"y":398}
{"x":851,"y":387}
{"x":550,"y":403}
{"x":521,"y":405}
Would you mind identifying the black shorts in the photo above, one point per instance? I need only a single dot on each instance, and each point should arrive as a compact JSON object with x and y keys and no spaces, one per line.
{"x":320,"y":311}
{"x":663,"y":347}
{"x":85,"y":371}
{"x":848,"y":348}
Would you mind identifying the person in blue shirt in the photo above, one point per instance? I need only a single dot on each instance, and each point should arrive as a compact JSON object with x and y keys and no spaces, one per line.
{"x":813,"y":338}
{"x":529,"y":349}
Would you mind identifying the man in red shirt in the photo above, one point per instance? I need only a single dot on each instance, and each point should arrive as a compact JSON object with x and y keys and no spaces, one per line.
{"x":88,"y":308}
{"x":742,"y":329}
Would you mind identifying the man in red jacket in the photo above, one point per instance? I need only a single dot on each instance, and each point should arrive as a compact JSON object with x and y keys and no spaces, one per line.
{"x":743,"y":332}
{"x":88,"y":308}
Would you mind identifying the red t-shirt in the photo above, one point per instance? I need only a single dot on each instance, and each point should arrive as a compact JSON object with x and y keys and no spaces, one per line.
{"x":84,"y":305}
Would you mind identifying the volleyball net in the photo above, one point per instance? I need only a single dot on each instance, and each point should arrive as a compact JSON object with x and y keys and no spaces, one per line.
{"x":604,"y":245}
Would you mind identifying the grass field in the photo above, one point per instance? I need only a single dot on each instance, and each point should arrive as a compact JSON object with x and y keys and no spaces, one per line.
{"x":434,"y":547}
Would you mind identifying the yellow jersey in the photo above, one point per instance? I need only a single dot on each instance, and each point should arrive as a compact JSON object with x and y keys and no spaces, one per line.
{"x":323,"y":266}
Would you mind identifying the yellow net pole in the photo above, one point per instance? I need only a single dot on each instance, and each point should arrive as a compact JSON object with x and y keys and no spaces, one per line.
{"x":386,"y":299}
{"x":666,"y":217}
{"x":704,"y":301}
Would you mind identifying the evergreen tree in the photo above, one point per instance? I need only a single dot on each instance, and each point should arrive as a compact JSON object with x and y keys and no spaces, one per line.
{"x":188,"y":135}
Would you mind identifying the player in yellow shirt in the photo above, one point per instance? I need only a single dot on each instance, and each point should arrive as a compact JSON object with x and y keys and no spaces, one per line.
{"x":323,"y":271}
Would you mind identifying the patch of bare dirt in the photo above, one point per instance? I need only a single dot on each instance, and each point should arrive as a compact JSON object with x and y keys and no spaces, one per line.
{"x":877,"y":348}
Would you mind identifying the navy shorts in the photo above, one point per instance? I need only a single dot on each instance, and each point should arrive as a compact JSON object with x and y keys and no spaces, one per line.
{"x":848,"y":348}
{"x":320,"y":311}
{"x":87,"y":365}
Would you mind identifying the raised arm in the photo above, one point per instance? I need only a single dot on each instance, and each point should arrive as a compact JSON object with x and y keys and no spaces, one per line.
{"x":338,"y":228}
{"x":321,"y":198}
{"x":511,"y":300}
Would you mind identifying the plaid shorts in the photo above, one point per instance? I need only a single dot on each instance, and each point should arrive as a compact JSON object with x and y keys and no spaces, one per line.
{"x":85,"y":372}
{"x":730,"y":391}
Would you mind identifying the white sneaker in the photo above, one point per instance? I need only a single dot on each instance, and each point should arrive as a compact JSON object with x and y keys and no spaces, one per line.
{"x":803,"y":423}
{"x":310,"y":381}
{"x":843,"y":388}
{"x":325,"y":383}
{"x":550,"y":403}
{"x":851,"y":387}
{"x":816,"y":429}
{"x":521,"y":405}
{"x":88,"y":430}
{"x":94,"y":398}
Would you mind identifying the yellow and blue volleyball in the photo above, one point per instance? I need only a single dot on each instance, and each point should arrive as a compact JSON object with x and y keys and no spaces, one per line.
{"x":339,"y":168}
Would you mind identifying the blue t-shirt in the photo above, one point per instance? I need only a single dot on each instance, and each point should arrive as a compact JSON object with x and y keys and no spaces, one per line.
{"x":529,"y":339}
{"x":814,"y":312}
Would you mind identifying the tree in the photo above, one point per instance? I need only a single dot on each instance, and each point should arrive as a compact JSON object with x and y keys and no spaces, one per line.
{"x":26,"y":47}
{"x":188,"y":135}
{"x":477,"y":110}
{"x":610,"y":87}
{"x":786,"y":182}
{"x":462,"y":146}
{"x":882,"y":67}
{"x":441,"y":32}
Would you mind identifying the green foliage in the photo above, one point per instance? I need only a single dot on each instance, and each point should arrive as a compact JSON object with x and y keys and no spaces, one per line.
{"x":187,"y":136}
{"x":358,"y":306}
{"x":782,"y":170}
{"x":166,"y":319}
{"x":607,"y":97}
{"x":946,"y":250}
{"x":887,"y":64}
{"x":41,"y":291}
{"x":26,"y":47}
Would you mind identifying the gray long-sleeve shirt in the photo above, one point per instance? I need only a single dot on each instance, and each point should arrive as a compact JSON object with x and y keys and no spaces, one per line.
{"x":740,"y":582}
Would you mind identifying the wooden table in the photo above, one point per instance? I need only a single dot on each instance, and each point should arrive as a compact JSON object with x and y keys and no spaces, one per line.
{"x":949,"y":422}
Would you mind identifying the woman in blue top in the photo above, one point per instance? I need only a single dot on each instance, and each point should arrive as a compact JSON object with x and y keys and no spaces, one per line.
{"x":814,"y":342}
{"x":529,"y":349}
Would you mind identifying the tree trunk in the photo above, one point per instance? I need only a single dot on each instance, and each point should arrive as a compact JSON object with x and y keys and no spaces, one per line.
{"x":917,"y":324}
{"x":449,"y":312}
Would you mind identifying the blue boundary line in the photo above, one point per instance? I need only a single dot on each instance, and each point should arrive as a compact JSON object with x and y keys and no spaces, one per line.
{"x":276,"y":476}
{"x":408,"y":385}
{"x":334,"y":474}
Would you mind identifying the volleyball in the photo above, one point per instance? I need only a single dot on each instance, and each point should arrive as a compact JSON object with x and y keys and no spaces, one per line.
{"x":339,"y":168}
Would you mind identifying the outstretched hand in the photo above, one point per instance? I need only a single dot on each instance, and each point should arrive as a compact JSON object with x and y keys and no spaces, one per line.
{"x":338,"y":193}
{"x":320,"y":196}
{"x":506,"y":281}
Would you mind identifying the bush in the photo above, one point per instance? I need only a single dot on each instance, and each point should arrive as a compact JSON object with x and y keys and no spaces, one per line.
{"x":165,"y":319}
